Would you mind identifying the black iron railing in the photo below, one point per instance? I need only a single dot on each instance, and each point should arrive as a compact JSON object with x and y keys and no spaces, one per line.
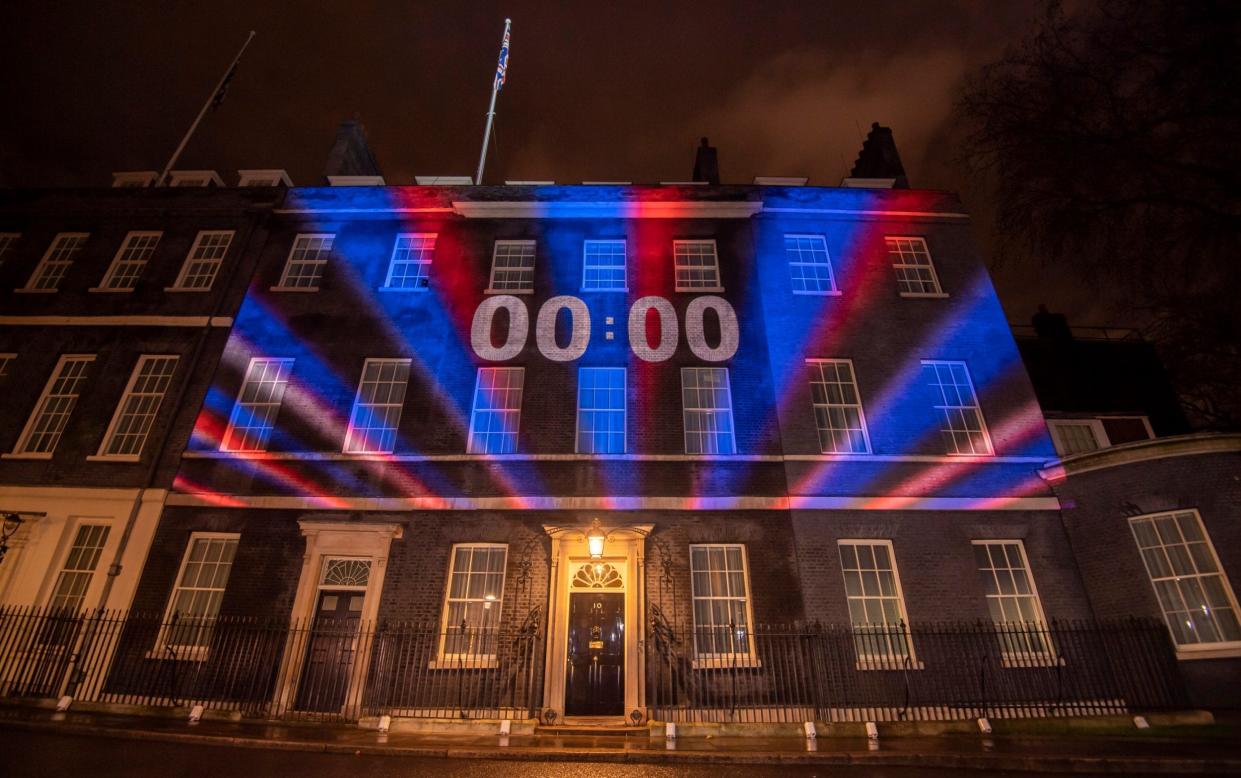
{"x":776,"y":673}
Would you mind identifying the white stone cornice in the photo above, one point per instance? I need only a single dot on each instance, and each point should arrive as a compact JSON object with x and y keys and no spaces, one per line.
{"x":618,"y":209}
{"x":1144,"y":451}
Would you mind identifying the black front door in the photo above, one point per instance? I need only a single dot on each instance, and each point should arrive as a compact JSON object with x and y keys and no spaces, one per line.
{"x":595,"y":684}
{"x":330,"y":652}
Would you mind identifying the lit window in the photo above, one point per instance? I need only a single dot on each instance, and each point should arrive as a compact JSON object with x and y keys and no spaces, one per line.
{"x":837,"y":407}
{"x":377,"y":407}
{"x":1194,"y":595}
{"x":8,"y":242}
{"x":55,"y":406}
{"x":512,"y":266}
{"x":1011,"y":597}
{"x":127,"y":265}
{"x":876,"y":605}
{"x":136,"y":412}
{"x":707,"y":406}
{"x":203,"y":262}
{"x":601,"y":410}
{"x":915,"y":274}
{"x":952,"y":392}
{"x":56,"y":261}
{"x":473,"y":600}
{"x":603,"y":266}
{"x":1077,"y":437}
{"x":196,"y":598}
{"x":410,"y":267}
{"x":74,"y":579}
{"x":254,"y":414}
{"x":697,"y":266}
{"x":304,"y":268}
{"x":720,"y":584}
{"x":496,"y":414}
{"x":809,"y":267}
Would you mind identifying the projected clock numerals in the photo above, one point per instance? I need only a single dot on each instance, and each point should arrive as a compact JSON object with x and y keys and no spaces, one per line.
{"x":579,"y":315}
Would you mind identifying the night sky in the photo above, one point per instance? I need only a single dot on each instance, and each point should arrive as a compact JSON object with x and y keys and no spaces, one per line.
{"x":616,"y":91}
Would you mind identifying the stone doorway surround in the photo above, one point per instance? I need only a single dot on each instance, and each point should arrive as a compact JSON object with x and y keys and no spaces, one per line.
{"x":625,"y":550}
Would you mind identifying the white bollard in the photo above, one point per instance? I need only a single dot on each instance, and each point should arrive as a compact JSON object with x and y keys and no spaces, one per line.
{"x":1141,"y":723}
{"x":196,"y":714}
{"x":385,"y":723}
{"x":984,"y":726}
{"x":811,"y":732}
{"x":63,"y":704}
{"x":872,"y":731}
{"x":670,"y":731}
{"x":506,"y":727}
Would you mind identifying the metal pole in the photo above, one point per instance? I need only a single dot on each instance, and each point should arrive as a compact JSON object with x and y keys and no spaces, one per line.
{"x":203,"y":112}
{"x":491,"y":113}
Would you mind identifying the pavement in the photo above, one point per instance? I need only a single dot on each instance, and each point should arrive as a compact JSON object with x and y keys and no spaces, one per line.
{"x":1210,"y":750}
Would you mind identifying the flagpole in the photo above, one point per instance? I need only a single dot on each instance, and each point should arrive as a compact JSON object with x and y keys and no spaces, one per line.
{"x":211,"y":99}
{"x":491,"y":112}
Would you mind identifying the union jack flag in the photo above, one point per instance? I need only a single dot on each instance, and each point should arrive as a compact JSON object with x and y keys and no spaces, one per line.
{"x":502,"y":65}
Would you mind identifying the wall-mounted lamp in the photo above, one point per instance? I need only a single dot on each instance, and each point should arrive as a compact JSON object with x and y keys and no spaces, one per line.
{"x":12,"y":523}
{"x":595,"y":539}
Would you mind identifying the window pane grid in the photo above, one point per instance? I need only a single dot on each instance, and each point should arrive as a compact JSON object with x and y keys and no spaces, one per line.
{"x":953,"y":395}
{"x":603,"y":266}
{"x":254,"y":414}
{"x":1196,"y":599}
{"x":195,"y":602}
{"x":512,"y":265}
{"x":304,"y":268}
{"x":136,"y":412}
{"x":876,"y":609}
{"x":1011,"y":598}
{"x":914,"y":272}
{"x":496,"y":414}
{"x":204,"y":260}
{"x":473,"y":600}
{"x":377,"y":407}
{"x":70,"y":590}
{"x":56,"y":261}
{"x":130,"y":261}
{"x":410,"y":267}
{"x":55,"y":406}
{"x":601,"y":410}
{"x":696,"y":265}
{"x":1075,"y":438}
{"x":720,"y":585}
{"x":707,"y":409}
{"x":809,"y":266}
{"x":837,"y":408}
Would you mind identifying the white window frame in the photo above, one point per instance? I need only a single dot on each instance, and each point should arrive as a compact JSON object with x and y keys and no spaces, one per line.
{"x":707,"y":660}
{"x":1146,"y":422}
{"x":676,"y":266}
{"x":534,"y":258}
{"x":265,"y":177}
{"x":23,"y":441}
{"x":816,"y":375}
{"x":890,"y":660}
{"x":62,"y":261}
{"x":126,"y":255}
{"x":1054,"y":426}
{"x":454,"y":660}
{"x":943,"y":410}
{"x":687,"y":410}
{"x":587,"y":266}
{"x":192,"y":179}
{"x":62,"y":567}
{"x":214,"y":263}
{"x":471,"y":448}
{"x":8,"y":240}
{"x":279,"y":387}
{"x":422,"y":265}
{"x":834,"y":290}
{"x":1013,"y":631}
{"x":133,"y":179}
{"x":900,"y":266}
{"x":1219,"y":648}
{"x":191,"y":652}
{"x":623,"y":411}
{"x":289,"y":282}
{"x":122,"y":410}
{"x":359,"y":442}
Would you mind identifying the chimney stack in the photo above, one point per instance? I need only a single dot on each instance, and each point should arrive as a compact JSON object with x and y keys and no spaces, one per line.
{"x":878,"y":160}
{"x":707,"y":164}
{"x":350,"y":154}
{"x":1052,"y":326}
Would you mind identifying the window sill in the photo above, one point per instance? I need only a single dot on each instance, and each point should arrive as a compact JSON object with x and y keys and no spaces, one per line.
{"x":293,"y":289}
{"x":18,"y":455}
{"x":1210,"y":651}
{"x":622,"y":290}
{"x":109,"y":290}
{"x":489,"y":290}
{"x":475,"y":663}
{"x":700,"y":289}
{"x":405,"y":289}
{"x":924,"y":295}
{"x":195,"y":654}
{"x":831,"y":293}
{"x":113,"y":458}
{"x":739,"y":662}
{"x":888,"y":665}
{"x":969,"y":456}
{"x":26,"y":290}
{"x":187,"y":289}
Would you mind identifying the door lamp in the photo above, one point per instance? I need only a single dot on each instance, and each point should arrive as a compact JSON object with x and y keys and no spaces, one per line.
{"x":595,"y":539}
